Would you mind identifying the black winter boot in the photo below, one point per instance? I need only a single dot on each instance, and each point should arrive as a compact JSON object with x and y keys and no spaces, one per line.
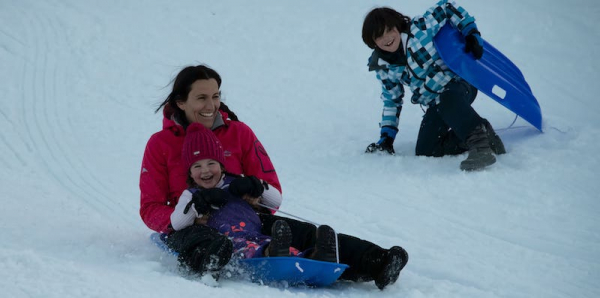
{"x":384,"y":265}
{"x":480,"y":152}
{"x":325,"y":246}
{"x":394,"y":262}
{"x":281,"y":239}
{"x":495,"y":142}
{"x":212,"y":257}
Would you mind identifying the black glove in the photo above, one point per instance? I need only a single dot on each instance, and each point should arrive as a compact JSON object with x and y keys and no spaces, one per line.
{"x":204,"y":200}
{"x":474,"y":44}
{"x":247,"y":186}
{"x":386,"y":142}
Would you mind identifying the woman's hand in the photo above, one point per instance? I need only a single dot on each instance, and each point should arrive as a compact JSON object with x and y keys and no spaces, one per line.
{"x":252,"y":201}
{"x":203,"y":220}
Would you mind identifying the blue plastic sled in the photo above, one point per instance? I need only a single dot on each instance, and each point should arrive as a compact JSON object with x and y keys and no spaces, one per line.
{"x":293,"y":270}
{"x":494,"y":74}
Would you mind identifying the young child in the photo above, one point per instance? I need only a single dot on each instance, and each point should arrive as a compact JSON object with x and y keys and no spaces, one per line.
{"x":404,"y":54}
{"x":224,"y":202}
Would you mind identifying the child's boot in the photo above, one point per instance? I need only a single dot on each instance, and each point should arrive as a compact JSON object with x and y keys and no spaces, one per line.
{"x":495,"y":142}
{"x":480,"y":152}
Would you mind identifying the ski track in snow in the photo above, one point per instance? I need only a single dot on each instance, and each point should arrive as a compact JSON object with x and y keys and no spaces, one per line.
{"x":46,"y":105}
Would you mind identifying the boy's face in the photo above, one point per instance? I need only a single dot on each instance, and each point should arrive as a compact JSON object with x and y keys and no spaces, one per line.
{"x":206,"y":173}
{"x":389,"y":41}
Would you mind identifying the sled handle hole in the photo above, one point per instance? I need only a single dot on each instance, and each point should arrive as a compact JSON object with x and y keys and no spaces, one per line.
{"x":499,"y":91}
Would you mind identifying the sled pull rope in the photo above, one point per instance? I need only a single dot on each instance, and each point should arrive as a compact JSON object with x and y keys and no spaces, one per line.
{"x":337,"y":251}
{"x":289,"y":214}
{"x":511,"y":125}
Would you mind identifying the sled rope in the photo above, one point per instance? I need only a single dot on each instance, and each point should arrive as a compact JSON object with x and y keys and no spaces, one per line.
{"x":337,"y":251}
{"x":289,"y":214}
{"x":511,"y":125}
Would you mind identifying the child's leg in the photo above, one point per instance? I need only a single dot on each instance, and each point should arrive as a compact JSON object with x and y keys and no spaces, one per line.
{"x":200,"y":248}
{"x":435,"y":136}
{"x":455,"y":108}
{"x":435,"y":139}
{"x":456,"y":111}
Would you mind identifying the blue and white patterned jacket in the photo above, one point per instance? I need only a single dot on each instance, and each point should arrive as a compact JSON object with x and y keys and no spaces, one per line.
{"x":421,"y":68}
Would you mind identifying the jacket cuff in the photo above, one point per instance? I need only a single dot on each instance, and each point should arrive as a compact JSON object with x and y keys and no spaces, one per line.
{"x":179,"y":220}
{"x":470,"y":28}
{"x":271,"y":197}
{"x":389,"y":131}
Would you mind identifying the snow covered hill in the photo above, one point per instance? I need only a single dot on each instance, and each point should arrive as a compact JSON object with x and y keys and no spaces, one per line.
{"x":80,"y":81}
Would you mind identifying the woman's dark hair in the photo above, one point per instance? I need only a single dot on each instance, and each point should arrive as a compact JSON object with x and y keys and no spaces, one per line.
{"x":378,"y":20}
{"x":182,"y":85}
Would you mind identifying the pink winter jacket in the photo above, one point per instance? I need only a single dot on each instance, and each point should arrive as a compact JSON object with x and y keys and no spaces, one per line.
{"x":163,"y":177}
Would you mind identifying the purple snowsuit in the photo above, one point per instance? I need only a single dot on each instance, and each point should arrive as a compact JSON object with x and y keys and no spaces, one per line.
{"x":238,"y":221}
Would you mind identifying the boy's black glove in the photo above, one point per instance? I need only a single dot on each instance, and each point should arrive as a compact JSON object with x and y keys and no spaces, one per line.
{"x":249,"y":185}
{"x":386,"y":142}
{"x":207,"y":199}
{"x":474,"y":44}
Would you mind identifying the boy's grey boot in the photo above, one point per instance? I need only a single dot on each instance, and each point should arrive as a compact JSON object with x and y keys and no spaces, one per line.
{"x":495,"y":142}
{"x":480,"y":152}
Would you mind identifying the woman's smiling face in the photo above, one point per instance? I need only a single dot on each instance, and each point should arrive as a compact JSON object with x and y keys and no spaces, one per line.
{"x":202,"y":103}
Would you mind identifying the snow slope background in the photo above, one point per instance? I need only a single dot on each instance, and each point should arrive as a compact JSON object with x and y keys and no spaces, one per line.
{"x":80,"y":81}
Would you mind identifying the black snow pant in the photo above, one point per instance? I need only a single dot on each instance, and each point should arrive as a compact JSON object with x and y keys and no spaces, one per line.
{"x":353,"y":251}
{"x":184,"y":241}
{"x":446,"y":126}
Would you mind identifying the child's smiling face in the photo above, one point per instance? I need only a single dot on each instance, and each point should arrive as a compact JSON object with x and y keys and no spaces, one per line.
{"x":389,"y":41}
{"x":206,"y":173}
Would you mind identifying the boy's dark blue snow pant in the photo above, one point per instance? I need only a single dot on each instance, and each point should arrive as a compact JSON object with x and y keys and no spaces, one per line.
{"x":446,"y":126}
{"x":351,"y":250}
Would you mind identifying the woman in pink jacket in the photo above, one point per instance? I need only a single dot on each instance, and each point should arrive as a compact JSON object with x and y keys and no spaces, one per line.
{"x":196,"y":98}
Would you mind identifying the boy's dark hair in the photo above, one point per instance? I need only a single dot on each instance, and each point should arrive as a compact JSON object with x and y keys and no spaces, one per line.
{"x":378,"y":20}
